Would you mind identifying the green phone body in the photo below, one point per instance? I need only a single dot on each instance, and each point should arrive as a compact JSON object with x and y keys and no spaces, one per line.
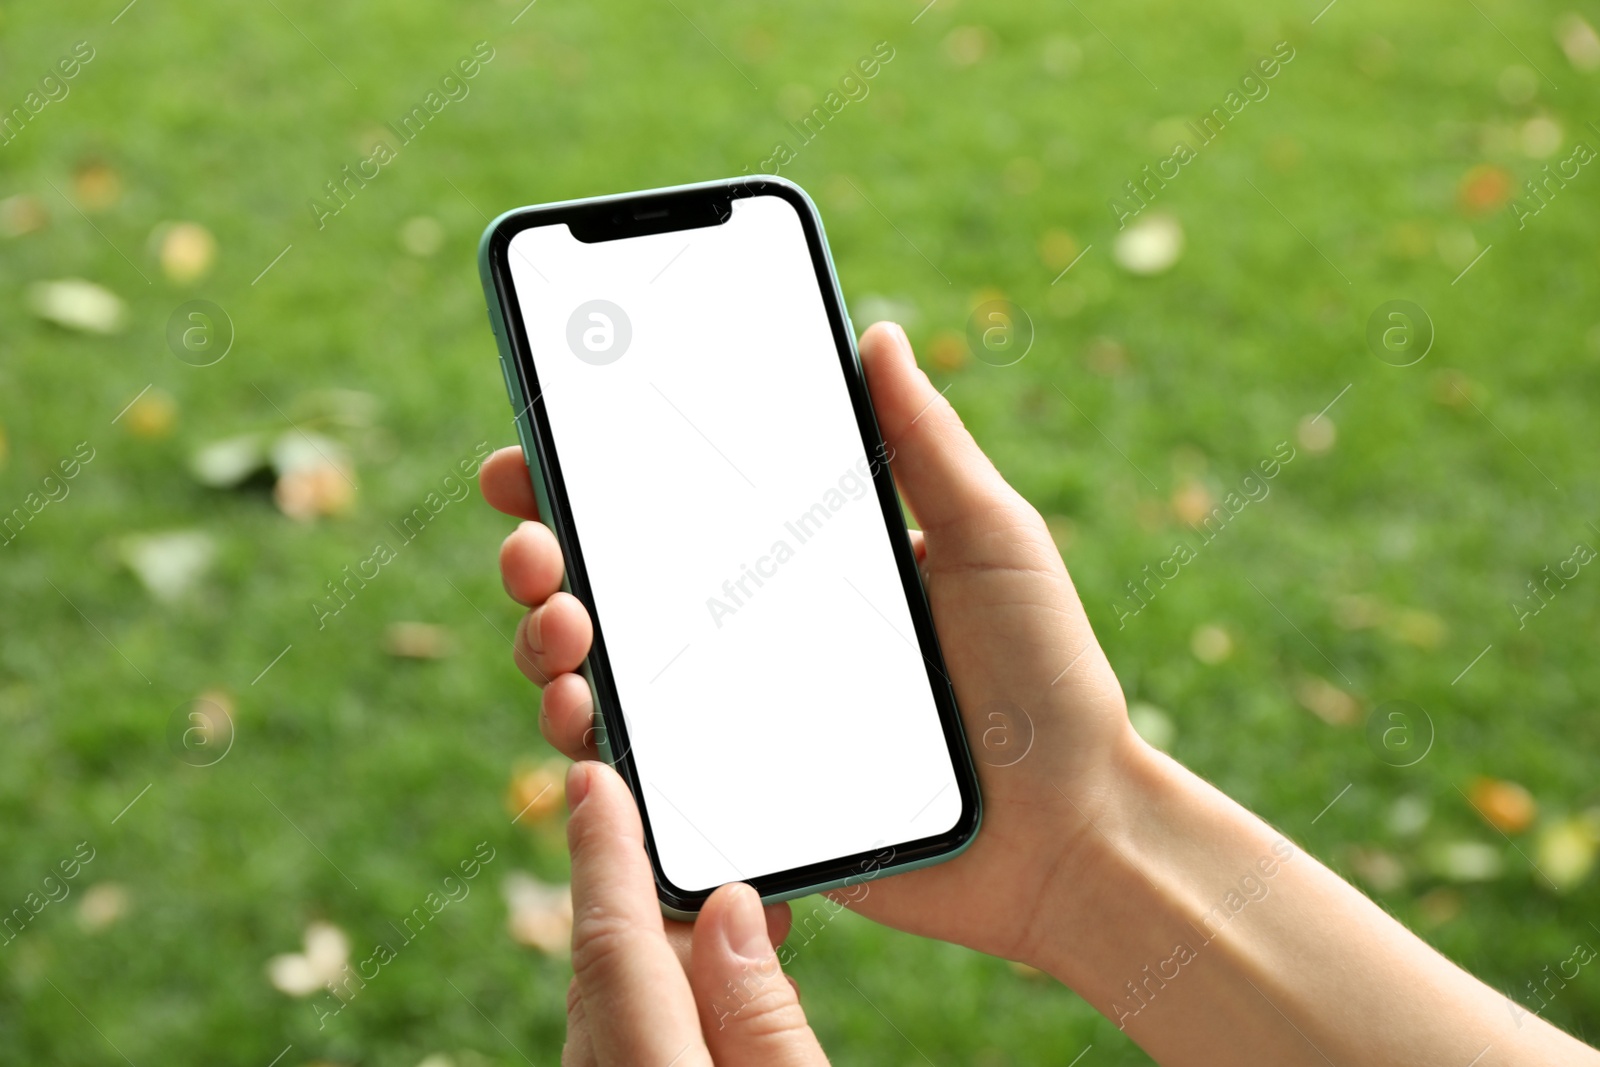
{"x":533,"y":434}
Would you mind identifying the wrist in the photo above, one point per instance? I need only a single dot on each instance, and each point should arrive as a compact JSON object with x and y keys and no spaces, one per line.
{"x":1094,"y":869}
{"x":1127,"y":897}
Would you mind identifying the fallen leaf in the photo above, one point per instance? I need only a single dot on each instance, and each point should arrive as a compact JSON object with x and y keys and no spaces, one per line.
{"x":1455,"y":390}
{"x":1192,"y":502}
{"x":209,"y":724}
{"x":227,"y":463}
{"x":1107,"y":357}
{"x":186,"y":251}
{"x":1540,"y":137}
{"x":1409,"y":815}
{"x":152,"y":415}
{"x":315,"y":476}
{"x":948,"y":350}
{"x":537,"y":791}
{"x":169,"y":564}
{"x":1316,"y":433}
{"x":22,"y":214}
{"x":421,"y":236}
{"x":76,"y":304}
{"x":966,"y":45}
{"x":1327,"y":701}
{"x":1504,"y":805}
{"x":416,"y":640}
{"x":1057,"y":249}
{"x":1420,"y":629}
{"x":1381,"y":870}
{"x":1579,"y":41}
{"x":1211,"y":644}
{"x":323,"y":489}
{"x":540,"y":914}
{"x":1439,"y":906}
{"x":96,"y":184}
{"x":299,"y":974}
{"x":1150,"y":246}
{"x":1465,"y":861}
{"x":299,"y":449}
{"x":101,"y":905}
{"x":1566,"y":850}
{"x":1484,"y":189}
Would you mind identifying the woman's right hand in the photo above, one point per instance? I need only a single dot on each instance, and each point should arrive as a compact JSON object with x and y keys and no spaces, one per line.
{"x":1044,"y":714}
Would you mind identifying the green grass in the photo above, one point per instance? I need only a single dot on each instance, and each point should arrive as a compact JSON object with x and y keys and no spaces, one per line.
{"x":396,"y":770}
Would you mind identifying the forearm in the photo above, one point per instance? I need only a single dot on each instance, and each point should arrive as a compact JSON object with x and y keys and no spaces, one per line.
{"x":1212,"y":939}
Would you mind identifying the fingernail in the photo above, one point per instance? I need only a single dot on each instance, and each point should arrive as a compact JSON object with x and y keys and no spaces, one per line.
{"x":530,"y":633}
{"x":901,"y":331}
{"x":745,"y":925}
{"x":577,"y":784}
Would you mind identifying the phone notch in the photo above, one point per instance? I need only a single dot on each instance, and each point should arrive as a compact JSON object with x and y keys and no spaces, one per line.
{"x":692,"y":210}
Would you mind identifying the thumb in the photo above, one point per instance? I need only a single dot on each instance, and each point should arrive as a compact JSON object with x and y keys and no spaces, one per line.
{"x":943,"y":473}
{"x":749,"y":1013}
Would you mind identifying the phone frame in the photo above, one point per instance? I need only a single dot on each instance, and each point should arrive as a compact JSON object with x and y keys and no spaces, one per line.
{"x":685,"y":207}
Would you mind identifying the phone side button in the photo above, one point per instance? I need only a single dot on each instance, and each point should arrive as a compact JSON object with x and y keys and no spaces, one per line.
{"x":527,"y":444}
{"x":511,"y":385}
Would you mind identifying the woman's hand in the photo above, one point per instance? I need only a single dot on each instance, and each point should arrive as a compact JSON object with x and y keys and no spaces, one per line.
{"x":1044,"y":714}
{"x":632,"y":1001}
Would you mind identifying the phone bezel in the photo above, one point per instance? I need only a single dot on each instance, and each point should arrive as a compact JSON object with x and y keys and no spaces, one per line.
{"x":685,"y":207}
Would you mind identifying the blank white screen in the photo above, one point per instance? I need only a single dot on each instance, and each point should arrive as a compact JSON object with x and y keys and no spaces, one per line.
{"x":794,"y":723}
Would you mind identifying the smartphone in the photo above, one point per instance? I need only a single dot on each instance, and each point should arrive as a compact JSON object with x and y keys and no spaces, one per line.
{"x":765,"y":674}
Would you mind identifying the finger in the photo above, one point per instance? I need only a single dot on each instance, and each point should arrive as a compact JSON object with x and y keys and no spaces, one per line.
{"x":566,"y":717}
{"x":749,"y":1013}
{"x":627,"y":974}
{"x":579,"y":1050}
{"x":553,"y":638}
{"x":680,"y":935}
{"x":530,"y":563}
{"x":938,"y":466}
{"x":504,"y":480}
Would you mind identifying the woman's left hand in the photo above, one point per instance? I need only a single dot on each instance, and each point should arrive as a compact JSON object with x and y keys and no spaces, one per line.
{"x":633,"y":1000}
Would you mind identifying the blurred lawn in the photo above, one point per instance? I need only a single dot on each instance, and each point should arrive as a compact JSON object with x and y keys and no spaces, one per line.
{"x":988,"y":146}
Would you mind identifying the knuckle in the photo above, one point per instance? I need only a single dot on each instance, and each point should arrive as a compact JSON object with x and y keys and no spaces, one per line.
{"x":771,"y":1013}
{"x":601,"y":944}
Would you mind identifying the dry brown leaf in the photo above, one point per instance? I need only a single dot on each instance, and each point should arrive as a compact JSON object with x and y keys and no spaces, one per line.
{"x":1192,"y":502}
{"x":152,"y":415}
{"x":1327,"y":701}
{"x":1484,"y":189}
{"x":537,"y":791}
{"x":417,"y":640}
{"x":1504,"y":805}
{"x":97,"y":186}
{"x":540,"y":913}
{"x":316,"y":489}
{"x":186,"y":251}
